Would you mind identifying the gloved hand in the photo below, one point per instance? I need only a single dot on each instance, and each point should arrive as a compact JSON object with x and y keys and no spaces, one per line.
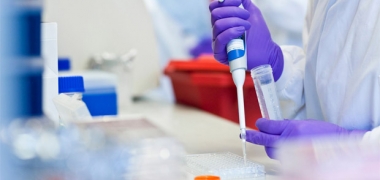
{"x":203,"y":47}
{"x":230,"y":22}
{"x":272,"y":132}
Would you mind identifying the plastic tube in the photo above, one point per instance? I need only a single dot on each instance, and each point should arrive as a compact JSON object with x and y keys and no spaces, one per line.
{"x":266,"y":92}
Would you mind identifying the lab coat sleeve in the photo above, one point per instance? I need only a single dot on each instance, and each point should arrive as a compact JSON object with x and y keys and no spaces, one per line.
{"x":372,"y":136}
{"x":290,"y":86}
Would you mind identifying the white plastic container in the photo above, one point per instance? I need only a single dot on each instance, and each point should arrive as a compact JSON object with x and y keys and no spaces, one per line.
{"x":101,"y":96}
{"x":69,"y":102}
{"x":50,"y":74}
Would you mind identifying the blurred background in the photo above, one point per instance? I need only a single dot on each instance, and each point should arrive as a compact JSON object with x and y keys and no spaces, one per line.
{"x":112,"y":89}
{"x":160,"y":31}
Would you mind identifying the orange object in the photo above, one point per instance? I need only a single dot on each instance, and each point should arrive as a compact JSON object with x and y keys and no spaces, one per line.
{"x":207,"y":178}
{"x":206,"y":84}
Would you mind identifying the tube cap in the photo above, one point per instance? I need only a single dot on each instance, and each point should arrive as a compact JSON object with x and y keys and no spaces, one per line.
{"x":207,"y":178}
{"x":70,"y":84}
{"x":64,"y":64}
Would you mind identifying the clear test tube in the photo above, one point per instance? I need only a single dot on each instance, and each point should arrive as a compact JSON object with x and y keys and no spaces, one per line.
{"x":266,"y":92}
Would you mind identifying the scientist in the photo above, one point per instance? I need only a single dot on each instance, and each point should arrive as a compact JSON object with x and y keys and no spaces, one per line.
{"x":328,"y":87}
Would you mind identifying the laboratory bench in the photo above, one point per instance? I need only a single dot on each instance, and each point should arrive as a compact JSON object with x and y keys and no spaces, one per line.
{"x":201,"y":132}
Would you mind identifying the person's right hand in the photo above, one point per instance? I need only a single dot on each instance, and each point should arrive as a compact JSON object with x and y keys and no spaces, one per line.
{"x":230,"y":22}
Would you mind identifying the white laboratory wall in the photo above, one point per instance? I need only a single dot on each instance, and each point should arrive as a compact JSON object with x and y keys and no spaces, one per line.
{"x":86,"y":27}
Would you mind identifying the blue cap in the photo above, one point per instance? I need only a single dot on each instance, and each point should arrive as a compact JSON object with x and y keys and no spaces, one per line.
{"x":101,"y":102}
{"x":70,"y":84}
{"x":64,"y":64}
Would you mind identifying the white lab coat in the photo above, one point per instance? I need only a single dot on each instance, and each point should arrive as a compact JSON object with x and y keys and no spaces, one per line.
{"x":335,"y":76}
{"x":284,"y":19}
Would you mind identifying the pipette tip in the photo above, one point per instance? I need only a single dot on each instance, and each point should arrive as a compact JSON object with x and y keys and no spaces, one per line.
{"x":242,"y":134}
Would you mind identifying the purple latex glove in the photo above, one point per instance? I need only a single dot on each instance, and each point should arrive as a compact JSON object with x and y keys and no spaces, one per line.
{"x":230,"y":22}
{"x":203,"y":47}
{"x":272,"y":132}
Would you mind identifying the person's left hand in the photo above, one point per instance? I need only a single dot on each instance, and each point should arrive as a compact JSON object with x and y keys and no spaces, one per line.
{"x":273,"y":131}
{"x":204,"y":46}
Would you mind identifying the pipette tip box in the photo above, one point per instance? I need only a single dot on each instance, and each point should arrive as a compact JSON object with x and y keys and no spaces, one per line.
{"x":226,"y":165}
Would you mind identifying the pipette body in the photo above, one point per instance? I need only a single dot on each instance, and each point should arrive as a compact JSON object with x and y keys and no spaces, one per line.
{"x":238,"y":65}
{"x":237,"y":58}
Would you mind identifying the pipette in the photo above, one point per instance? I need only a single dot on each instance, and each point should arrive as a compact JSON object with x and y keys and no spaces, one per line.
{"x":237,"y":58}
{"x":238,"y":66}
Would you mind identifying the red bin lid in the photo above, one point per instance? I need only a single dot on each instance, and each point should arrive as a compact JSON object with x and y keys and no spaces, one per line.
{"x":204,"y":63}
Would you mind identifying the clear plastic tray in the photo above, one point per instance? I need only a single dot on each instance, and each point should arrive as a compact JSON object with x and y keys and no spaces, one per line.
{"x":225,"y":165}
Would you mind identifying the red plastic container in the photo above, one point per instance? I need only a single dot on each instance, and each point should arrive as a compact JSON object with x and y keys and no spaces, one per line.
{"x":208,"y":85}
